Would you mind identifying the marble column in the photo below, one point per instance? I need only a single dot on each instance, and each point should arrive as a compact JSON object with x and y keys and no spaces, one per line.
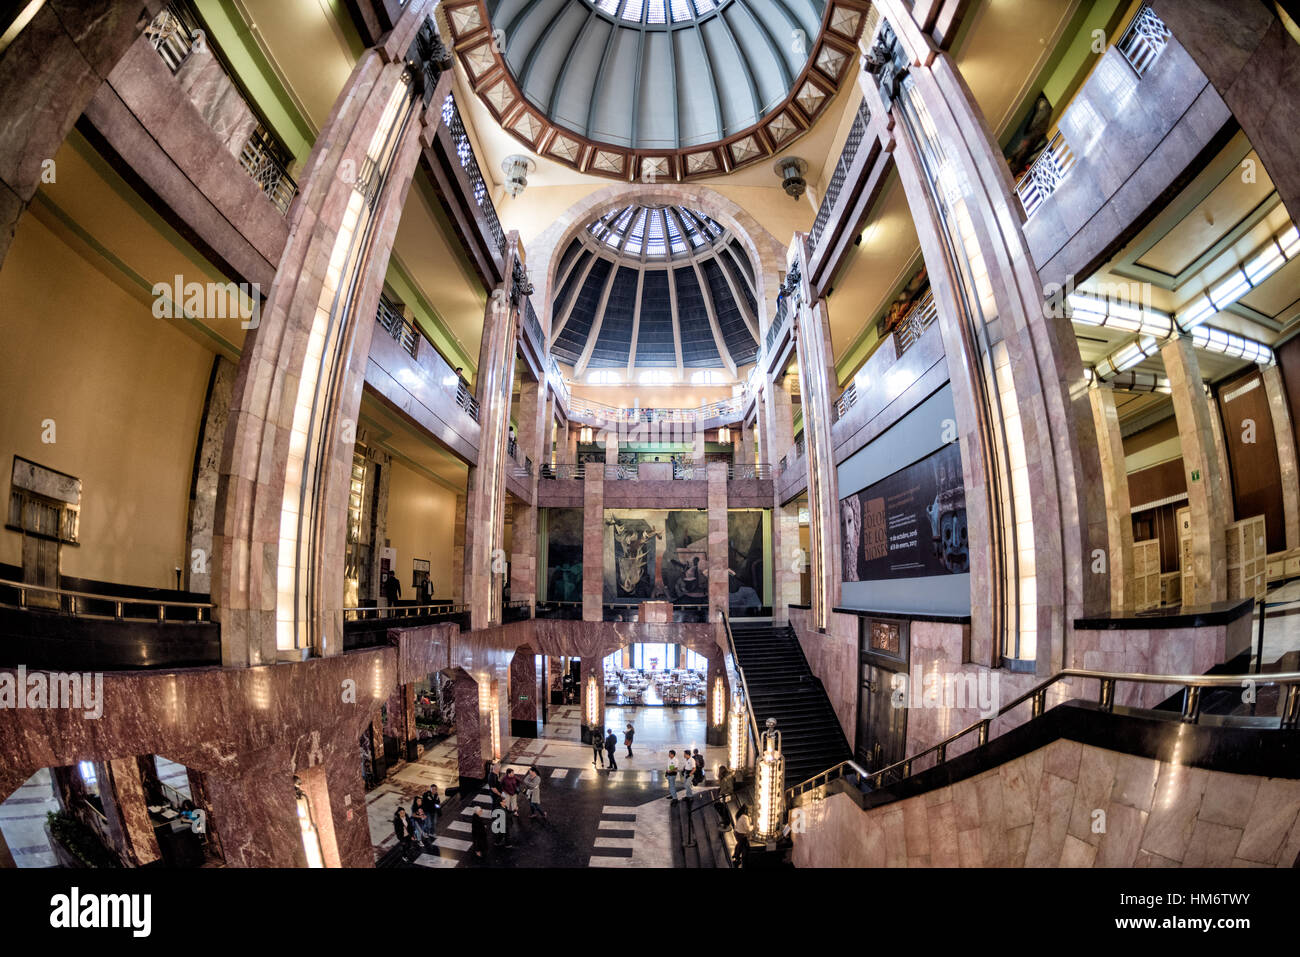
{"x":469,"y":747}
{"x":1119,"y":517}
{"x":523,"y":558}
{"x":523,"y":693}
{"x":593,"y":696}
{"x":719,"y":589}
{"x":593,"y":548}
{"x":697,"y":451}
{"x":787,"y":559}
{"x":811,"y":333}
{"x":485,"y":509}
{"x":1283,"y":430}
{"x":1035,"y":502}
{"x":203,"y":502}
{"x":125,"y":807}
{"x":458,"y":551}
{"x":254,"y":796}
{"x":48,"y":75}
{"x":199,"y":795}
{"x":279,"y":536}
{"x":1208,"y":491}
{"x":779,"y":405}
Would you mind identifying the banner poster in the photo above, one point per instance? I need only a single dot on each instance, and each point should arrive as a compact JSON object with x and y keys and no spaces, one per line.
{"x":911,"y":524}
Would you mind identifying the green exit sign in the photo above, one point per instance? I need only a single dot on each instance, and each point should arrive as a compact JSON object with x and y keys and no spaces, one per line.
{"x":1196,"y":475}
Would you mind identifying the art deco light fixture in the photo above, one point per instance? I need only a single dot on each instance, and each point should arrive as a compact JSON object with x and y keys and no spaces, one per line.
{"x":771,"y":784}
{"x":593,"y":701}
{"x":585,"y":435}
{"x":719,"y":701}
{"x":517,"y":168}
{"x":310,"y":837}
{"x":724,"y":435}
{"x":736,"y":741}
{"x":791,"y":170}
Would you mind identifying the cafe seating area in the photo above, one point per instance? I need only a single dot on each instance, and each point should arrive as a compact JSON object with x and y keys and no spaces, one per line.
{"x":631,"y":686}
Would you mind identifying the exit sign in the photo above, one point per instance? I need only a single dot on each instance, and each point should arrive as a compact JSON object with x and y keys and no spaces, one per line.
{"x":1196,"y":475}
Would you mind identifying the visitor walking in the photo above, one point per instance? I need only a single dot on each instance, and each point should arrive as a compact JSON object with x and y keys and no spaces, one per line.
{"x":611,"y":745}
{"x":392,"y":589}
{"x":741,"y":832}
{"x":726,"y":791}
{"x":479,"y":834}
{"x":597,"y":747}
{"x":671,"y":773}
{"x":627,"y":737}
{"x":698,"y":777}
{"x":533,"y":788}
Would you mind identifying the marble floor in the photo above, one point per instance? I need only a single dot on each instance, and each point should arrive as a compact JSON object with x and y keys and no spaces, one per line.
{"x":22,"y":819}
{"x":597,"y":817}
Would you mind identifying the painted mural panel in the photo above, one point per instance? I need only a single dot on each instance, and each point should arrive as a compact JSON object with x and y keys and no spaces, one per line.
{"x":564,"y":554}
{"x":910,"y":524}
{"x":747,"y":568}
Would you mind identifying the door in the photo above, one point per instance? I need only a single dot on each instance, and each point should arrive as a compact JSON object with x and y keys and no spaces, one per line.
{"x":882,"y":727}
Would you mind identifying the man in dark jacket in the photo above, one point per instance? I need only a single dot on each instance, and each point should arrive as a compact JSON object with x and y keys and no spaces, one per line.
{"x":405,"y":835}
{"x":597,"y":747}
{"x":611,"y":745}
{"x":479,"y":834}
{"x":392,"y":589}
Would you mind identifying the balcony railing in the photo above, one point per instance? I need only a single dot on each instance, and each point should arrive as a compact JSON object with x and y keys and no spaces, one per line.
{"x":564,"y":471}
{"x":621,"y":472}
{"x":778,"y":321}
{"x":758,"y":470}
{"x":607,"y":413}
{"x":918,"y":319}
{"x":557,"y":377}
{"x":848,"y":398}
{"x":1144,"y":40}
{"x":465,"y":399}
{"x":1045,"y":174}
{"x":532,"y":327}
{"x":104,"y":607}
{"x":175,"y":33}
{"x":465,"y":152}
{"x":398,"y":327}
{"x":847,"y":155}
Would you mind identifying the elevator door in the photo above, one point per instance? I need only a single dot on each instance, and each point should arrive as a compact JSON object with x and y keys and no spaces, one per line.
{"x":882,"y":727}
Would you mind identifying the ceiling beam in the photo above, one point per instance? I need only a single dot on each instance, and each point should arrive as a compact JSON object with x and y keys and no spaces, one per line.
{"x":707,"y":295}
{"x":713,"y":87}
{"x":636,"y":323}
{"x":751,"y":321}
{"x":672,"y":317}
{"x":596,"y":324}
{"x":568,"y":307}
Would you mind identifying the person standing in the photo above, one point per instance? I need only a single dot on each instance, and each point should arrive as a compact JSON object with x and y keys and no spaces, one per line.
{"x":432,"y":805}
{"x":628,"y":732}
{"x":611,"y":745}
{"x":510,"y":791}
{"x":741,"y":830}
{"x":392,"y":589}
{"x":698,"y":777}
{"x":726,"y":792}
{"x":479,"y":834}
{"x":405,"y":834}
{"x":597,"y":747}
{"x":533,"y":788}
{"x":671,"y":773}
{"x":688,"y":771}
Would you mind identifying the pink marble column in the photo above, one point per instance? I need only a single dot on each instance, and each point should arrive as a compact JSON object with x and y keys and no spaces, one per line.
{"x":1034,"y":495}
{"x":610,"y":437}
{"x":718,"y":539}
{"x":469,"y":747}
{"x":593,"y":548}
{"x":124,"y":805}
{"x":523,"y":693}
{"x":458,"y":550}
{"x":1114,"y":474}
{"x":280,"y":528}
{"x":1286,"y":452}
{"x":593,"y":693}
{"x":778,"y":433}
{"x":787,"y":559}
{"x":812,"y":338}
{"x":1208,"y":489}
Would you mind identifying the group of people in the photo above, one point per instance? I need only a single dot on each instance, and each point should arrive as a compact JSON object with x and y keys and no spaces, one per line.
{"x":690,"y":770}
{"x":416,"y":830}
{"x":607,"y":743}
{"x":504,"y":791}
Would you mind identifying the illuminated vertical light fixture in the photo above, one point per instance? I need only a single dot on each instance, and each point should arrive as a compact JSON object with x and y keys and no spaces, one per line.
{"x":724,"y":436}
{"x":593,"y":702}
{"x":719,"y":701}
{"x":310,"y":419}
{"x":494,"y":704}
{"x":736,"y":740}
{"x":585,"y":435}
{"x":307,"y":825}
{"x":771,"y":784}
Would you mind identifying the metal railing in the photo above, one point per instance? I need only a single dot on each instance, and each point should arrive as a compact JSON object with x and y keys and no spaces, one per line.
{"x":847,"y":400}
{"x":1288,"y":716}
{"x":918,"y":319}
{"x":1144,"y":40}
{"x":724,"y":408}
{"x":397,"y":326}
{"x":847,"y":155}
{"x":532,"y":327}
{"x":465,"y":153}
{"x":561,"y":386}
{"x":175,"y":33}
{"x":758,"y":470}
{"x":518,"y":609}
{"x":624,"y":471}
{"x":733,"y":666}
{"x":404,"y":611}
{"x":465,"y":399}
{"x":82,"y":604}
{"x":564,"y":471}
{"x":1045,"y":174}
{"x":688,"y":471}
{"x":778,"y":321}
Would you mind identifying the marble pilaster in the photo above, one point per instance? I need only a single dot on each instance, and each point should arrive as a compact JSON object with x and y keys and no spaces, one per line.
{"x":719,"y":586}
{"x":458,"y":551}
{"x":1208,"y":494}
{"x":123,"y":799}
{"x":1284,"y":433}
{"x":203,"y":503}
{"x":1114,"y":474}
{"x":593,"y":548}
{"x":787,"y":559}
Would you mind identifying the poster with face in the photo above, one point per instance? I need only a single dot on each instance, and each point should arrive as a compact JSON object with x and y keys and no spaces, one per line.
{"x":911,"y":524}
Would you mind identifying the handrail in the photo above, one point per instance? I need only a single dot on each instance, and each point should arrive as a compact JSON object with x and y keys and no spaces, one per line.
{"x":740,"y":673}
{"x":580,"y":407}
{"x":852,"y":142}
{"x":1288,"y":718}
{"x":117,"y":600}
{"x":465,"y":153}
{"x":359,"y":613}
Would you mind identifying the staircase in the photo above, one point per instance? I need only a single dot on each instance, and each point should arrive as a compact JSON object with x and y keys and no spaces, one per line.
{"x":699,"y":843}
{"x":782,"y":686}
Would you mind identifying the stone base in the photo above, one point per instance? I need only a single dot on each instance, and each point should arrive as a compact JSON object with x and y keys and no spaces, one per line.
{"x":522,"y":728}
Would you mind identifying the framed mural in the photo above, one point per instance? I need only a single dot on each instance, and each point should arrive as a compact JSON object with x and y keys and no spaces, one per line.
{"x":563,"y":572}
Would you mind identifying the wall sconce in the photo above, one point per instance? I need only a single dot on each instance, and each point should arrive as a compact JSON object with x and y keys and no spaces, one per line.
{"x":310,"y":837}
{"x":771,"y":784}
{"x":724,"y":435}
{"x":585,"y":435}
{"x":736,"y":733}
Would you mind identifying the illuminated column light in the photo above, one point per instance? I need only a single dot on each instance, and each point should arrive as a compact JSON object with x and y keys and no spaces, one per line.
{"x":719,"y":701}
{"x":310,"y":836}
{"x":593,"y":703}
{"x":771,"y":784}
{"x":291,"y":576}
{"x":737,"y":739}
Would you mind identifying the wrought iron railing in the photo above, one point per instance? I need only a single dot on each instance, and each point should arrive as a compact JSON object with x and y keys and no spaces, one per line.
{"x":465,"y":399}
{"x":847,"y":155}
{"x":1045,"y":174}
{"x":585,"y":408}
{"x":397,"y":326}
{"x":465,"y":153}
{"x":561,"y":386}
{"x":563,"y":471}
{"x":621,"y":472}
{"x":778,"y":321}
{"x":800,"y":445}
{"x":532,"y":327}
{"x":376,"y":613}
{"x":758,"y":470}
{"x":688,"y":471}
{"x":1144,"y":40}
{"x":848,"y":398}
{"x":919,"y":318}
{"x":175,"y":33}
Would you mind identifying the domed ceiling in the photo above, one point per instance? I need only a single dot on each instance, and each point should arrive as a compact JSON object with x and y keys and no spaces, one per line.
{"x":655,"y":287}
{"x":665,"y":89}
